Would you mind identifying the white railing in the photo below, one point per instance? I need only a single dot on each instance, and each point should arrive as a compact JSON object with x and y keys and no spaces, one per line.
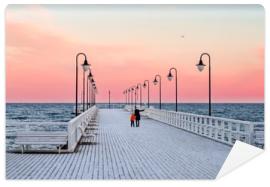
{"x":220,"y":129}
{"x":74,"y":134}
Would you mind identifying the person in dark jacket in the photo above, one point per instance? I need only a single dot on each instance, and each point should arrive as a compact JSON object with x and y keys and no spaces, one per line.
{"x":138,"y":116}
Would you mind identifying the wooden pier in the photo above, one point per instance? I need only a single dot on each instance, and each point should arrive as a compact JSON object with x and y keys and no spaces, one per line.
{"x":153,"y":151}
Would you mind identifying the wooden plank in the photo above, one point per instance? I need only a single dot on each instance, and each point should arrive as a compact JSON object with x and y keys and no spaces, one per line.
{"x":152,"y":151}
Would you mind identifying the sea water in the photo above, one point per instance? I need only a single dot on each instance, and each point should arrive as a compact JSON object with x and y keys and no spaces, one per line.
{"x":55,"y":116}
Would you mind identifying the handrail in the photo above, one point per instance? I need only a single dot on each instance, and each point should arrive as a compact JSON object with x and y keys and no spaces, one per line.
{"x":74,"y":135}
{"x":217,"y":128}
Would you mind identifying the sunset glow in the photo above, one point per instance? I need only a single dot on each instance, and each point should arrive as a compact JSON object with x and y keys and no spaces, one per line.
{"x":127,"y":44}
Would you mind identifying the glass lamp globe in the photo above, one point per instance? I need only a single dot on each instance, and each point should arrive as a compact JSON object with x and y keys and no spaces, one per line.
{"x":90,"y":76}
{"x":200,"y":66}
{"x":85,"y":65}
{"x":155,"y":82}
{"x":170,"y":76}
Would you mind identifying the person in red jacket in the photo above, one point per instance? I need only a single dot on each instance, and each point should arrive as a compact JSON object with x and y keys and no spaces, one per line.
{"x":132,"y":119}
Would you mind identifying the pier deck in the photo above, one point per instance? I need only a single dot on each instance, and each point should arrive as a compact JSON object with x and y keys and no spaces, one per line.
{"x":152,"y":151}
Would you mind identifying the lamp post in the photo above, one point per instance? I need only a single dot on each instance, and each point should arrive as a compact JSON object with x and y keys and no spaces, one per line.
{"x":170,"y":76}
{"x":139,"y":84}
{"x":128,"y":97}
{"x":87,"y":92}
{"x":85,"y":66}
{"x":155,"y":83}
{"x":144,"y":85}
{"x":131,"y":97}
{"x":94,"y":95}
{"x":125,"y":92}
{"x":93,"y":91}
{"x":109,"y":99}
{"x":135,"y":94}
{"x":200,"y":67}
{"x":90,"y":76}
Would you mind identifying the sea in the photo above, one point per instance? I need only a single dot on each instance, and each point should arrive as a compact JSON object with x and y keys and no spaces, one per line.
{"x":54,"y":116}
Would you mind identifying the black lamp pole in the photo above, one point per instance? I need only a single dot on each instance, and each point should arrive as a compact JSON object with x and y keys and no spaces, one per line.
{"x":93,"y":90}
{"x":155,"y":82}
{"x":125,"y":97}
{"x":89,"y":96}
{"x":139,"y":84}
{"x":90,"y":76}
{"x":109,"y":99}
{"x":87,"y":93}
{"x":201,"y":66}
{"x":131,"y":90}
{"x":128,"y":96}
{"x":83,"y":90}
{"x":85,"y":66}
{"x":144,"y":85}
{"x":134,"y":88}
{"x":170,"y":76}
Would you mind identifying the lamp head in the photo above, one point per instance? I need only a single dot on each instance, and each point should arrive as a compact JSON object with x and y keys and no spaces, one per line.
{"x":155,"y":81}
{"x":144,"y":85}
{"x":201,"y":65}
{"x":170,"y":76}
{"x":90,"y":76}
{"x":85,"y":65}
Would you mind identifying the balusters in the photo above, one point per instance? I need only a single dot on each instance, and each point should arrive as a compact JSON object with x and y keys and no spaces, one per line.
{"x":219,"y":129}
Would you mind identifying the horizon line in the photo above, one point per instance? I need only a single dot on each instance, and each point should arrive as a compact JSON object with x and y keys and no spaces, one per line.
{"x":138,"y":103}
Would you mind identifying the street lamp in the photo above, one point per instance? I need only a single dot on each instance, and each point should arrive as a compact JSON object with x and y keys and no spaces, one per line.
{"x":133,"y":88}
{"x":170,"y":77}
{"x":144,"y":85}
{"x":93,"y":90}
{"x":155,"y":83}
{"x":132,"y":103}
{"x":87,"y":92}
{"x":90,"y":76}
{"x":139,"y":84}
{"x":200,"y":67}
{"x":125,"y":93}
{"x":109,"y":99}
{"x":85,"y":67}
{"x":129,"y":99}
{"x":94,"y":94}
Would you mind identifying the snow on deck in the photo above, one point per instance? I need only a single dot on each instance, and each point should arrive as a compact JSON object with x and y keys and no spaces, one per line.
{"x":152,"y":151}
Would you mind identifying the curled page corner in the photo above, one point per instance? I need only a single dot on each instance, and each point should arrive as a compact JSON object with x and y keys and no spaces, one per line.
{"x":240,"y":153}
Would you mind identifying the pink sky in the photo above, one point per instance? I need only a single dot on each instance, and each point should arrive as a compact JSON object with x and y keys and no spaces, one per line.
{"x":129,"y":44}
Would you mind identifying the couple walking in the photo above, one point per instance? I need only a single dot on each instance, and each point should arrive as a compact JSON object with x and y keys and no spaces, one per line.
{"x":135,"y":117}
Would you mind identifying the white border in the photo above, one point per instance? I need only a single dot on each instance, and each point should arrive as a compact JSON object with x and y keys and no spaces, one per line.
{"x":254,"y":173}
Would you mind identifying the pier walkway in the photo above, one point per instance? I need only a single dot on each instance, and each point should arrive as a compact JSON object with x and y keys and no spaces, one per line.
{"x":152,"y":151}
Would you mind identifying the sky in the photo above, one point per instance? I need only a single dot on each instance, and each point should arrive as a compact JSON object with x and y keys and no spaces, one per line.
{"x":127,"y":44}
